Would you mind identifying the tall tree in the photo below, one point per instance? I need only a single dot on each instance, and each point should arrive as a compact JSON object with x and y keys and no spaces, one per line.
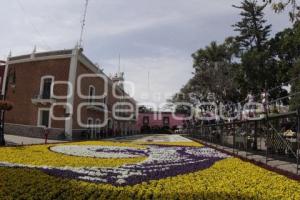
{"x":215,"y":72}
{"x":253,"y":40}
{"x":253,"y":31}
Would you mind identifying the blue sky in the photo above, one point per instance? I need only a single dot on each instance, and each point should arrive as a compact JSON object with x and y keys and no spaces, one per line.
{"x":150,"y":35}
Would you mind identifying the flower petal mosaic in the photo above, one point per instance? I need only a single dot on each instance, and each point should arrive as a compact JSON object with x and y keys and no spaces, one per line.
{"x":162,"y":162}
{"x":124,"y":170}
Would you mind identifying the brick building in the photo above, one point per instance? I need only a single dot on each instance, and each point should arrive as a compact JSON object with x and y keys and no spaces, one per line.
{"x":154,"y":122}
{"x":66,"y":92}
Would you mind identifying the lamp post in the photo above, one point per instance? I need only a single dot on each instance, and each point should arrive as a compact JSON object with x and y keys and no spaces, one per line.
{"x":5,"y":106}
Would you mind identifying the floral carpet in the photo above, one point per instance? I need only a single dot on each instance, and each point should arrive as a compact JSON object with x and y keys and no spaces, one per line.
{"x":159,"y":167}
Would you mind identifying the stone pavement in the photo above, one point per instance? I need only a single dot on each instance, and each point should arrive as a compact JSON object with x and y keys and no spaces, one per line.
{"x":19,"y":140}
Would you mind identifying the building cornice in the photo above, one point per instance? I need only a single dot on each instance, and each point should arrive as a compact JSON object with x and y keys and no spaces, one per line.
{"x":51,"y":55}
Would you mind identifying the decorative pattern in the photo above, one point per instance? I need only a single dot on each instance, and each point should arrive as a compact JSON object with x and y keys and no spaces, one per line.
{"x":162,"y":162}
{"x":229,"y":178}
{"x":157,"y":162}
{"x":98,"y":170}
{"x":41,"y":155}
{"x":99,"y":152}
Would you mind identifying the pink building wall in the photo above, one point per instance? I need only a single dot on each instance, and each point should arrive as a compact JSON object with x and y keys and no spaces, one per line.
{"x":157,"y":120}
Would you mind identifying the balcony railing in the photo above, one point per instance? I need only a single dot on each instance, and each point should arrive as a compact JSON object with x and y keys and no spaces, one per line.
{"x":42,"y":99}
{"x":93,"y":106}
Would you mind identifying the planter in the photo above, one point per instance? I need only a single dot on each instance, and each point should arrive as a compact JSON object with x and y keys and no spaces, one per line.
{"x":6,"y":105}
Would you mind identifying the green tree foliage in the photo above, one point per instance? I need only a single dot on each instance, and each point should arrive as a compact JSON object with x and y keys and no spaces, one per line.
{"x":295,"y":87}
{"x":281,"y":5}
{"x":253,"y":41}
{"x":215,"y":72}
{"x":214,"y":76}
{"x":285,"y":49}
{"x":250,"y":61}
{"x":253,"y":31}
{"x":144,"y":109}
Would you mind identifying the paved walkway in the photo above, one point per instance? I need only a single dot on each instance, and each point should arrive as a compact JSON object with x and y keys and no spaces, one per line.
{"x":163,"y":138}
{"x":152,"y":138}
{"x":278,"y":164}
{"x":19,"y":140}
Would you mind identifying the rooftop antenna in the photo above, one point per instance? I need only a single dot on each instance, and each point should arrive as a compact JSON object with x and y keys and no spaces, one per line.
{"x":83,"y":23}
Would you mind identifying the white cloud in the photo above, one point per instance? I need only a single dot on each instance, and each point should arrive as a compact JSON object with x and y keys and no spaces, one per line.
{"x":167,"y":75}
{"x":155,"y":35}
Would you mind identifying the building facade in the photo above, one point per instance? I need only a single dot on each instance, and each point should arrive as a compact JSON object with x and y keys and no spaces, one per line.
{"x":67,"y":93}
{"x":154,"y":122}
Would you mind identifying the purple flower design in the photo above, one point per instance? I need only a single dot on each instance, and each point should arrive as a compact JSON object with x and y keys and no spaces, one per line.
{"x":162,"y":162}
{"x":134,"y":152}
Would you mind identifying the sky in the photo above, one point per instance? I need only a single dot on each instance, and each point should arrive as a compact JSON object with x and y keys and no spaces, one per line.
{"x":154,"y":38}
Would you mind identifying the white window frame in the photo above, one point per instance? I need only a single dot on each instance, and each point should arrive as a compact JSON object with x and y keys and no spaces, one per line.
{"x":91,"y":128}
{"x":42,"y":83}
{"x":104,"y":100}
{"x":40,"y":117}
{"x":110,"y":123}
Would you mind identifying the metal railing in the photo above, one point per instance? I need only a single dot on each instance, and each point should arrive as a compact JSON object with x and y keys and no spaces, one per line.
{"x":274,"y":137}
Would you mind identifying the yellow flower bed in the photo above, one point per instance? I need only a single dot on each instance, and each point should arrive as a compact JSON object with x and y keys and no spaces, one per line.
{"x":40,"y":155}
{"x":184,"y":144}
{"x":227,"y":179}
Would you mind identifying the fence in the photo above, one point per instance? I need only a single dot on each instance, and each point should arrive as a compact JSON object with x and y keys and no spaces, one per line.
{"x":275,"y":136}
